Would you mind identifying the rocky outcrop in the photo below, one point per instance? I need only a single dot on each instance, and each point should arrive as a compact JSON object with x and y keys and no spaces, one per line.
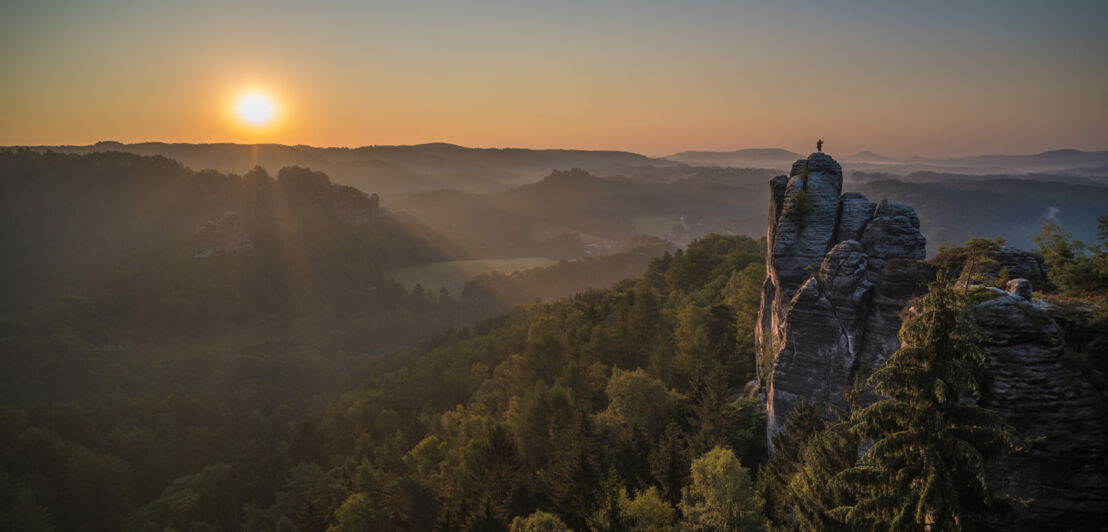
{"x":1034,"y":382}
{"x":839,"y":269}
{"x":840,"y":272}
{"x":997,"y":261}
{"x":894,"y":233}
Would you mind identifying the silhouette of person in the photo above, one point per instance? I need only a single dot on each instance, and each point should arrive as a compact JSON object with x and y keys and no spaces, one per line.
{"x":819,"y":145}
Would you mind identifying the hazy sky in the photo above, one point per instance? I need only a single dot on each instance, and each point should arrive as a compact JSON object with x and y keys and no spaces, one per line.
{"x":928,"y":78}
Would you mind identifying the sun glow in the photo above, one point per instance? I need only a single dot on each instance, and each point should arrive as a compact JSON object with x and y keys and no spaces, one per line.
{"x":255,"y":108}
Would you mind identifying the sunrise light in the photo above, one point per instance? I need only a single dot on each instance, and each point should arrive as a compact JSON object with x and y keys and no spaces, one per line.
{"x":255,"y":108}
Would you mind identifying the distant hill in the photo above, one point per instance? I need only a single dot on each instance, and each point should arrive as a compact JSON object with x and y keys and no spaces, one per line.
{"x":1047,"y":160}
{"x":609,"y":210}
{"x":507,"y":202}
{"x":747,"y":158}
{"x":399,"y":170}
{"x":692,"y":174}
{"x":1098,"y":171}
{"x":955,"y":210}
{"x":564,"y":278}
{"x":1053,"y":161}
{"x":935,"y":177}
{"x":178,"y":250}
{"x":386,"y":170}
{"x":868,"y":156}
{"x":601,"y":212}
{"x":475,"y":222}
{"x":161,"y":329}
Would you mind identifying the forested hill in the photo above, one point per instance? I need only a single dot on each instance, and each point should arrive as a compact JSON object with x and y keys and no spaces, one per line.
{"x":387,"y":169}
{"x":171,"y":339}
{"x":553,"y":406}
{"x":592,"y":408}
{"x":183,"y":248}
{"x":118,"y":268}
{"x":957,"y":208}
{"x":597,"y":210}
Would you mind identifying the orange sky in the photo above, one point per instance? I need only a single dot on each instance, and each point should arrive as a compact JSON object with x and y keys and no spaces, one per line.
{"x":650,"y":77}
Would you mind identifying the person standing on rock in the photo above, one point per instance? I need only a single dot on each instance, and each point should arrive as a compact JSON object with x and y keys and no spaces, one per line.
{"x":819,"y":145}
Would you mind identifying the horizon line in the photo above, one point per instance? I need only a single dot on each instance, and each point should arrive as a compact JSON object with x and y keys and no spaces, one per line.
{"x":505,"y":148}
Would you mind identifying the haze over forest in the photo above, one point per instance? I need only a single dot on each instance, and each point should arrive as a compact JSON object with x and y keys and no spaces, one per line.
{"x":505,"y":202}
{"x":729,"y":266}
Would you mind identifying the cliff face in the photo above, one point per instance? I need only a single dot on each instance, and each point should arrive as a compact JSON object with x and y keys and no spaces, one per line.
{"x":840,"y":272}
{"x":839,"y":269}
{"x":1034,"y":382}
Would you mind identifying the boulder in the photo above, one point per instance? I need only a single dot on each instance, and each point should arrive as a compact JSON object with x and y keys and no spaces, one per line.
{"x":1021,"y":288}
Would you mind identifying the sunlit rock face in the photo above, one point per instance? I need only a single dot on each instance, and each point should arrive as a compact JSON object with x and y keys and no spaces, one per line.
{"x":839,"y":269}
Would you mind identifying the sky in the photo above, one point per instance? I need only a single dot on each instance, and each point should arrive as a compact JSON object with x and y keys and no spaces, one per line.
{"x":932,"y":78}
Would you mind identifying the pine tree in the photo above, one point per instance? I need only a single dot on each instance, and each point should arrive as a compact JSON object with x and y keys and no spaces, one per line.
{"x":311,"y":517}
{"x":814,"y":494}
{"x":931,"y":442}
{"x":797,"y":481}
{"x":801,"y":423}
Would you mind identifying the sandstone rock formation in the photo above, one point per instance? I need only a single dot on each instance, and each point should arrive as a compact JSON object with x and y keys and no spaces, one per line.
{"x":996,"y":262}
{"x":1034,"y":383}
{"x":1021,"y":287}
{"x":839,"y":269}
{"x":840,"y":272}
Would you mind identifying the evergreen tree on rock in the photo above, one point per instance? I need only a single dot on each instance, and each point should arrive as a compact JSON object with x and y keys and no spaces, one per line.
{"x":926,"y":469}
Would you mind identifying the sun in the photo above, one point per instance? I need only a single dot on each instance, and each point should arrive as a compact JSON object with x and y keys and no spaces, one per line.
{"x":255,"y":108}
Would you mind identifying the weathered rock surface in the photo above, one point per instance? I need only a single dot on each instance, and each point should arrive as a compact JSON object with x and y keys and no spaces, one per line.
{"x":856,"y":213}
{"x":826,"y":273}
{"x":898,"y":281}
{"x":1021,"y":288}
{"x":1050,"y":404}
{"x":1021,"y":264}
{"x":840,"y":272}
{"x":894,"y":233}
{"x":805,"y":230}
{"x":1014,"y":263}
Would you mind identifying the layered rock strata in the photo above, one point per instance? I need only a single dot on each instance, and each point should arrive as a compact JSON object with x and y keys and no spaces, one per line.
{"x":1038,"y":386}
{"x":840,"y":272}
{"x":839,"y":269}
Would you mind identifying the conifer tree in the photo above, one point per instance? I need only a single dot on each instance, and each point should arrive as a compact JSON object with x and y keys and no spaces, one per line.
{"x":813,"y":493}
{"x":797,"y":481}
{"x":801,"y":423}
{"x":311,"y":518}
{"x":931,"y":442}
